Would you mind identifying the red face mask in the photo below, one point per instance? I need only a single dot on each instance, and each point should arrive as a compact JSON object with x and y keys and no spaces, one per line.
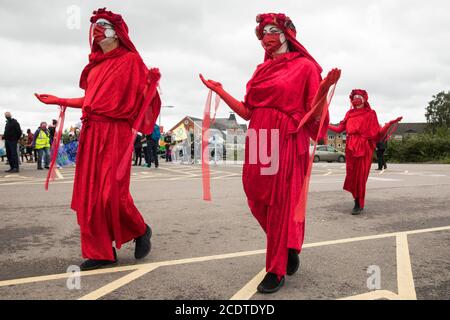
{"x":271,"y":42}
{"x":356,"y":102}
{"x":99,"y":33}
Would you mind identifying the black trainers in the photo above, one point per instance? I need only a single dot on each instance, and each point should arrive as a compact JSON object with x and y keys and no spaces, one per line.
{"x":96,"y":264}
{"x":143,"y":244}
{"x":270,"y":284}
{"x":293,"y":262}
{"x":357,"y":209}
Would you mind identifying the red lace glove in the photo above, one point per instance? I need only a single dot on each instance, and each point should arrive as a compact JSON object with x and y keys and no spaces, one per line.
{"x":234,"y":104}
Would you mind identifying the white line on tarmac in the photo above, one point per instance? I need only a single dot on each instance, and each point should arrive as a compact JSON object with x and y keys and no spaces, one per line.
{"x":58,"y":174}
{"x":383,"y":179}
{"x":250,"y":288}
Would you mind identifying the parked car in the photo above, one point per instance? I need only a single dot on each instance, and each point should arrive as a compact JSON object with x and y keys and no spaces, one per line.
{"x":329,"y":154}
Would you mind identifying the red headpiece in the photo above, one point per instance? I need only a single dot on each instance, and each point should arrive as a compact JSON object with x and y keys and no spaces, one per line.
{"x":285,"y":24}
{"x":362,"y":93}
{"x":120,"y":27}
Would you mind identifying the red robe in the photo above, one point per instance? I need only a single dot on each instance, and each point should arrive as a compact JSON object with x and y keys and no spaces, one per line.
{"x":103,"y":203}
{"x":363,"y":131}
{"x":279,"y":95}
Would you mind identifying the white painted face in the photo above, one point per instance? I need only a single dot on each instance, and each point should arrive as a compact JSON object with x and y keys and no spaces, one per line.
{"x":272,"y":29}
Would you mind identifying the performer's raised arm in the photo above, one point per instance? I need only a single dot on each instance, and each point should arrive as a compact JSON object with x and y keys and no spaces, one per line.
{"x":338,"y":129}
{"x":49,"y":99}
{"x":235,"y":105}
{"x":384,"y":131}
{"x":320,"y":98}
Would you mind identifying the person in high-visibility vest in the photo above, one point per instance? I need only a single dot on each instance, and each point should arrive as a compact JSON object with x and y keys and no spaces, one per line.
{"x":41,"y":143}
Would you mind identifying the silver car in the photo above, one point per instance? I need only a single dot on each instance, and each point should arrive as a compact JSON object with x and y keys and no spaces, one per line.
{"x":328,"y":153}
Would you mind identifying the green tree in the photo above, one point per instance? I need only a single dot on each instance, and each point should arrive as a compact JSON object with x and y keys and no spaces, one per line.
{"x":438,"y":111}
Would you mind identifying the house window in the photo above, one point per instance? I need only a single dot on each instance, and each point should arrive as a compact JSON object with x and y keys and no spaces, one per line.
{"x":330,"y":137}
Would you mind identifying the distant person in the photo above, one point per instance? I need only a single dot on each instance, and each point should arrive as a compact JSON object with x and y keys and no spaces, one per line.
{"x":29,"y":144}
{"x":153,"y":146}
{"x":168,"y":145}
{"x":381,"y":149}
{"x":12,"y":135}
{"x":145,"y":149}
{"x":41,"y":143}
{"x":23,"y":149}
{"x":52,"y":130}
{"x":138,"y":149}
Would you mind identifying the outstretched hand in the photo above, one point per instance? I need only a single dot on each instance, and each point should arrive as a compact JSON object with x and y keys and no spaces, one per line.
{"x":332,"y":78}
{"x":48,"y":99}
{"x":397,"y":120}
{"x":211,"y":84}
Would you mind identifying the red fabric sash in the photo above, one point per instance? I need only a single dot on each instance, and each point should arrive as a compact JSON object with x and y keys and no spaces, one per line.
{"x":206,"y":175}
{"x":55,"y":145}
{"x":300,"y":208}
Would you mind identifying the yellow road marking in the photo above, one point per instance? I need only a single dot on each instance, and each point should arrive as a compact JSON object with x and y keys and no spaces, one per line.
{"x":405,"y":279}
{"x":374,"y":295}
{"x":250,"y":288}
{"x":141,"y":267}
{"x":110,"y":287}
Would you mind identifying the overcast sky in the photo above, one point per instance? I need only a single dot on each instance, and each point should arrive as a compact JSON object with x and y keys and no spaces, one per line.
{"x":399,"y":51}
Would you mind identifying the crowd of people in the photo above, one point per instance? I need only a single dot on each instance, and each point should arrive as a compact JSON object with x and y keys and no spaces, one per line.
{"x":35,"y":147}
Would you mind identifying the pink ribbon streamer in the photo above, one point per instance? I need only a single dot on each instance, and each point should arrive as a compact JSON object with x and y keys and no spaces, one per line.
{"x":55,"y":145}
{"x":206,"y":175}
{"x":300,"y":209}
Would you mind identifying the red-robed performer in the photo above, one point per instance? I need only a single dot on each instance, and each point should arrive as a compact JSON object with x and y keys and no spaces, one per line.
{"x":363,"y":133}
{"x":281,"y":93}
{"x":120,"y":99}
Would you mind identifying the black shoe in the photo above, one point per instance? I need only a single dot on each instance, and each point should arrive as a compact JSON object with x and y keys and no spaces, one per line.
{"x":47,"y":168}
{"x":143,"y":244}
{"x":13,"y":170}
{"x":40,"y":168}
{"x":357,"y":209}
{"x":293,"y":262}
{"x":385,"y":167}
{"x":379,"y":169}
{"x":270,"y":284}
{"x":96,"y":264}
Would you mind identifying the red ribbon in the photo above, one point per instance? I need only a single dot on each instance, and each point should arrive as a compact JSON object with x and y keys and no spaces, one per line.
{"x":55,"y":145}
{"x":391,"y":131}
{"x":149,"y":94}
{"x":206,"y":175}
{"x":300,"y":209}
